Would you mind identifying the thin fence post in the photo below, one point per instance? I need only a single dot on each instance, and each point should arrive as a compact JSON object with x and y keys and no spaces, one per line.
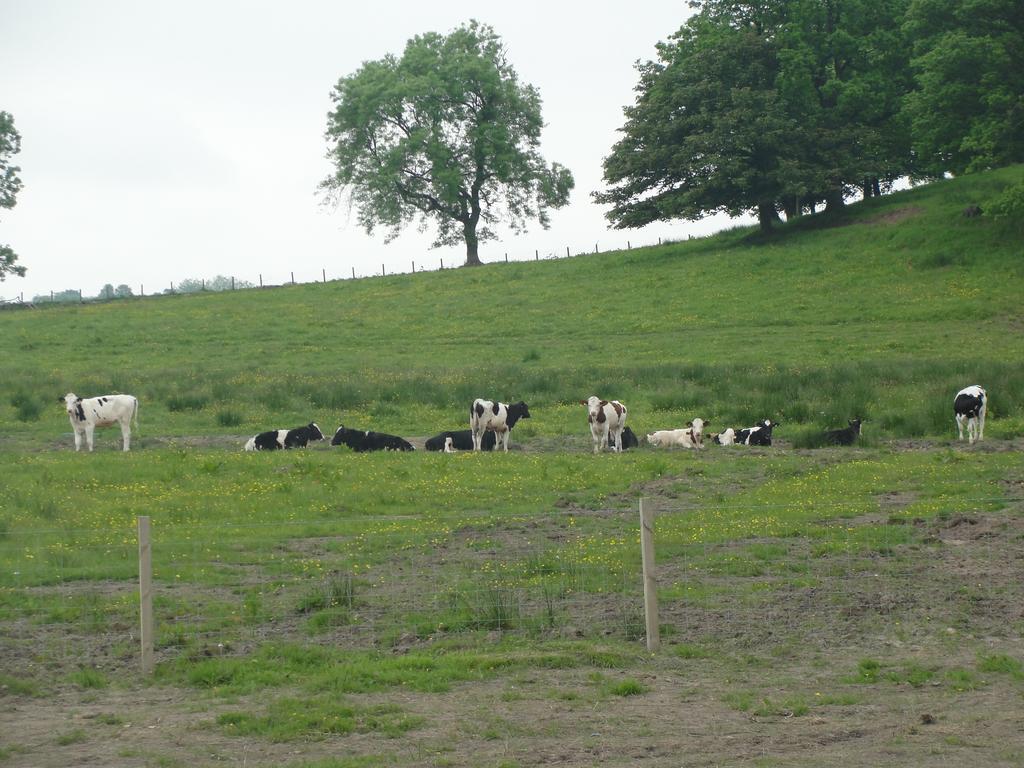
{"x":506,"y":257}
{"x":145,"y":595}
{"x":353,"y":273}
{"x":628,"y":246}
{"x":324,"y":273}
{"x":536,"y":254}
{"x":650,"y":581}
{"x":382,"y":272}
{"x":442,"y":263}
{"x":414,"y":267}
{"x":261,"y":279}
{"x":232,"y":282}
{"x":142,"y":289}
{"x":567,"y":251}
{"x":293,"y":278}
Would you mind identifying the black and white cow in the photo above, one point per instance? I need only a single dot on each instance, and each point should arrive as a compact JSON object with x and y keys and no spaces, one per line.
{"x":90,"y":412}
{"x":490,"y":415}
{"x":462,"y":440}
{"x":277,"y":439}
{"x":725,"y":437}
{"x":361,"y":441}
{"x":846,"y":436}
{"x":759,"y":435}
{"x":629,"y":439}
{"x":969,"y":408}
{"x":607,"y":419}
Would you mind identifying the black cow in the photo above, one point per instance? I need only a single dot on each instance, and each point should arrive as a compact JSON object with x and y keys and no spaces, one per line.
{"x":276,"y":439}
{"x":462,"y":440}
{"x":360,"y":441}
{"x":629,"y":439}
{"x":845,"y":436}
{"x":759,"y":435}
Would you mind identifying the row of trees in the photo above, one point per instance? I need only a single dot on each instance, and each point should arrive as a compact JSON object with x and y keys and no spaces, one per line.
{"x":773,"y":106}
{"x":123,"y":291}
{"x":765,"y":106}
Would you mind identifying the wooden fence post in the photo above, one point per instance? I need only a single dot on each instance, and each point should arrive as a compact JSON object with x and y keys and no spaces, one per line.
{"x":324,"y":273}
{"x":353,"y":273}
{"x":567,"y":251}
{"x":145,"y":595}
{"x":650,"y":581}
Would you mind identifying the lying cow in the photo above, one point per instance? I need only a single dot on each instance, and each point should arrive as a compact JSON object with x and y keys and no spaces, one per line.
{"x":690,"y":437}
{"x":462,"y":440}
{"x":969,"y":408}
{"x":88,"y":413}
{"x":629,"y":439}
{"x":725,"y":437}
{"x":361,"y":442}
{"x":278,"y":439}
{"x":846,"y":436}
{"x":496,"y":417}
{"x":759,"y":435}
{"x":607,"y":419}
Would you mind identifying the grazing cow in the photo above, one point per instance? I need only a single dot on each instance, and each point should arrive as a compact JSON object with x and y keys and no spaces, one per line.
{"x":759,"y":435}
{"x":88,"y":413}
{"x":692,"y":437}
{"x":497,"y":417}
{"x":629,"y":439}
{"x":277,"y":439}
{"x":845,"y":436}
{"x":726,"y":437}
{"x":462,"y":440}
{"x":607,"y":419}
{"x":360,"y":441}
{"x":969,"y":407}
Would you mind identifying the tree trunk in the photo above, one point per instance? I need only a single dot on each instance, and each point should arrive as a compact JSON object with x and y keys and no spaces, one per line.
{"x":876,"y":186}
{"x":867,"y":189}
{"x":472,"y":246}
{"x":791,"y":207}
{"x":767,"y":216}
{"x":834,"y":200}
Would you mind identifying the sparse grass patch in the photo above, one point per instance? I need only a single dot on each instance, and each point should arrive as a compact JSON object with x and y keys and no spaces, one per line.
{"x":288,"y":719}
{"x":76,"y":736}
{"x":18,"y":686}
{"x":1001,"y":664}
{"x":87,"y":677}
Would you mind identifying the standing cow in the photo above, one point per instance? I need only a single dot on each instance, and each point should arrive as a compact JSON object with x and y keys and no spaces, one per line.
{"x":607,"y":419}
{"x":490,"y":415}
{"x":969,"y":408}
{"x":88,"y":413}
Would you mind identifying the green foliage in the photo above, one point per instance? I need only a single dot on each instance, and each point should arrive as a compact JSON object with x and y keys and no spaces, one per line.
{"x":759,"y":107}
{"x":1008,"y":207}
{"x":10,"y":185}
{"x":28,"y":406}
{"x":445,"y":134}
{"x":968,"y":62}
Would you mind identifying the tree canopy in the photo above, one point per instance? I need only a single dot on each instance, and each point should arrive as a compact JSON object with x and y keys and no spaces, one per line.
{"x":778,"y":105}
{"x":10,"y":185}
{"x":447,"y":135}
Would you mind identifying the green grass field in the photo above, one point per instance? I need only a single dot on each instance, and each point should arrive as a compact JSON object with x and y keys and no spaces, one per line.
{"x":415,"y":609}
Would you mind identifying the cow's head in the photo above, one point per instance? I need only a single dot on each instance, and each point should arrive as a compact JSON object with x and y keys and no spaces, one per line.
{"x":855,"y":425}
{"x":314,"y":432}
{"x":340,"y":435}
{"x":524,"y":412}
{"x":73,"y":405}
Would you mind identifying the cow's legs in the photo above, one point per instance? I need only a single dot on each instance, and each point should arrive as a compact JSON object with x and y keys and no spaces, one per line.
{"x":88,"y":436}
{"x":126,"y":436}
{"x":981,"y":421}
{"x":617,"y":434}
{"x":78,"y":440}
{"x":960,"y":425}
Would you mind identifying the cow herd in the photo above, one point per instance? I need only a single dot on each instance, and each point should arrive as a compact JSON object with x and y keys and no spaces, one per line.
{"x":491,"y":425}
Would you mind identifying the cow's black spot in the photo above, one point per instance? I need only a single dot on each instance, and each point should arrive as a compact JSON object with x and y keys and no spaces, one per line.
{"x":495,"y":408}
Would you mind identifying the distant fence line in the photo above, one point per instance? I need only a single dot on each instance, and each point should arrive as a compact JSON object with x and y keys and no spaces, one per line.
{"x":234,"y":282}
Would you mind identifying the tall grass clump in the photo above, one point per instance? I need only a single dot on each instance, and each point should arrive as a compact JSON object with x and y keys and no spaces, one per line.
{"x":27,"y":406}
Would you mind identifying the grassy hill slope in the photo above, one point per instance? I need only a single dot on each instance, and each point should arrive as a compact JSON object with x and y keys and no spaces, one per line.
{"x":884,"y":317}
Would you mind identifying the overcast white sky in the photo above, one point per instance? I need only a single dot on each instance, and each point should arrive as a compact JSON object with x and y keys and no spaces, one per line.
{"x":163,"y":141}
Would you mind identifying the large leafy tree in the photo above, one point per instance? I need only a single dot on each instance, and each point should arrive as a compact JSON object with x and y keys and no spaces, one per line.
{"x":967,"y":109}
{"x":447,"y":135}
{"x":761,"y":105}
{"x":708,"y":132}
{"x":10,"y":185}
